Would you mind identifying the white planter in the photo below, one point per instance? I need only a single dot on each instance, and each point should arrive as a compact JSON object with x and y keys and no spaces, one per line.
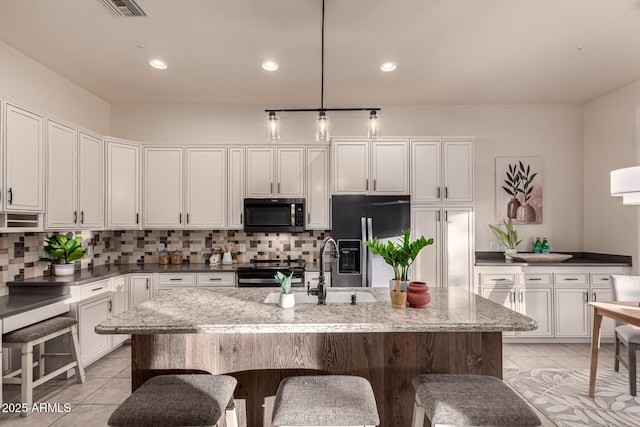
{"x":62,"y":269}
{"x":287,"y":300}
{"x":508,"y":253}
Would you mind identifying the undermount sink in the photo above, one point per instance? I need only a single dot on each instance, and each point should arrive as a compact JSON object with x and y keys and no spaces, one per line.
{"x":332,"y":297}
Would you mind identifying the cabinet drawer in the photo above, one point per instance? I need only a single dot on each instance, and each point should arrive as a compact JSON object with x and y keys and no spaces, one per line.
{"x":498,"y":279}
{"x":535,"y":279}
{"x":572,"y":278}
{"x":92,"y":289}
{"x":600,"y":278}
{"x":217,"y":279}
{"x":177,"y":279}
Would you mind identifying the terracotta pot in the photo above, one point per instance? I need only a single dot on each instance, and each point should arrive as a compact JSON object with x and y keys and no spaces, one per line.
{"x":512,"y":208}
{"x":526,"y":213}
{"x":418,"y":294}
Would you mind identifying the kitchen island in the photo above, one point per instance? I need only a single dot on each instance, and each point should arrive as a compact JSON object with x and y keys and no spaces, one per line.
{"x":233,"y":331}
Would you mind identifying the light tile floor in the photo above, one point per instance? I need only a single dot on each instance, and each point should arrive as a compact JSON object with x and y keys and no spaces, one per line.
{"x":108,"y":383}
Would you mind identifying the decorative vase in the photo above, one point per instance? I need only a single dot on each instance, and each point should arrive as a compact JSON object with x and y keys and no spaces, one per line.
{"x":398,"y":299}
{"x":287,"y":300}
{"x":526,"y":213}
{"x":508,"y":253}
{"x":226,"y":258}
{"x":62,"y":269}
{"x":418,"y":294}
{"x":512,"y":208}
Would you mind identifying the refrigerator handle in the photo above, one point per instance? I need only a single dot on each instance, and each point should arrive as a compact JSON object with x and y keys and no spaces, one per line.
{"x":365,"y":251}
{"x":370,"y":236}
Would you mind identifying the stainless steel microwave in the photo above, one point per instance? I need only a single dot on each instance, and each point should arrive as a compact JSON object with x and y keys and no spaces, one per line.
{"x":278,"y":215}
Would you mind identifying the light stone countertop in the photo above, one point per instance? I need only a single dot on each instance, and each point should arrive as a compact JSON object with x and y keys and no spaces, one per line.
{"x":242,"y":310}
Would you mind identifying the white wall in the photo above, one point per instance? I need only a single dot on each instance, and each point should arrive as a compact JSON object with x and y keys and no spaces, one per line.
{"x":611,"y":142}
{"x":553,"y":132}
{"x":33,"y":85}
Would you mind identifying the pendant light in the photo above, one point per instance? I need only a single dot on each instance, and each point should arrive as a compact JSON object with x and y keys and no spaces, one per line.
{"x":322,"y":120}
{"x":625,"y":183}
{"x":273,"y":128}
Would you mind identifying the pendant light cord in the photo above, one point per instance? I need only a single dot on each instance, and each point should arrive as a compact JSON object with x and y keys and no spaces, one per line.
{"x":322,"y":63}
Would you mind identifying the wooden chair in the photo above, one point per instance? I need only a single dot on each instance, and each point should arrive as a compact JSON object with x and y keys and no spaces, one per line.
{"x":626,"y":288}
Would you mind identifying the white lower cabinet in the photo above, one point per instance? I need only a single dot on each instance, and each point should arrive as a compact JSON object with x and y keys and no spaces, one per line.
{"x":120,"y":291}
{"x":556,"y":297}
{"x":139,"y":288}
{"x":90,"y":313}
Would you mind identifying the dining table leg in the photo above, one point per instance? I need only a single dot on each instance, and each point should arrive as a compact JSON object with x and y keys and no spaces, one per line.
{"x":595,"y":346}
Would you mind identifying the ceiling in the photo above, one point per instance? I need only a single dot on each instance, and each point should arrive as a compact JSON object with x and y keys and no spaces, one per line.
{"x":448,"y":51}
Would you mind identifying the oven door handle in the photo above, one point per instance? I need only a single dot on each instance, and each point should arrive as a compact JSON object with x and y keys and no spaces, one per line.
{"x":267,"y":281}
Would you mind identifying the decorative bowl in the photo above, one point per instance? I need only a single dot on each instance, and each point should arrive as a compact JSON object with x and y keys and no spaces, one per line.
{"x":553,"y":257}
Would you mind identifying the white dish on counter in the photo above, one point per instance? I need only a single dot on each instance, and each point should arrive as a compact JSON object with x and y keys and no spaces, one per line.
{"x":332,"y":297}
{"x":553,"y":257}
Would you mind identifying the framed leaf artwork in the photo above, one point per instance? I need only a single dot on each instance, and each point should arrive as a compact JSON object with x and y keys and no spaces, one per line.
{"x":519,"y":189}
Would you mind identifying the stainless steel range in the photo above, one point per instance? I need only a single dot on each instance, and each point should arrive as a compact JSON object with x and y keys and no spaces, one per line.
{"x":260,"y":273}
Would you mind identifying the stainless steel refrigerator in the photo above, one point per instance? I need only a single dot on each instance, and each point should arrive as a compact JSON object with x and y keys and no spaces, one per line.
{"x":356,"y":219}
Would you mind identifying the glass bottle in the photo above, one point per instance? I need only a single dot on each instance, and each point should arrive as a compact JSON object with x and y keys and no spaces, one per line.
{"x":538,"y":246}
{"x":545,"y":245}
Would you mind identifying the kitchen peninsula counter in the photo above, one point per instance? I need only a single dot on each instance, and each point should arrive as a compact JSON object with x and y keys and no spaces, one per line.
{"x":232,"y":331}
{"x":578,"y":259}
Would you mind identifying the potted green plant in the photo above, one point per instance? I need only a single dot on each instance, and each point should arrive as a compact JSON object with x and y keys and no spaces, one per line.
{"x":62,"y":250}
{"x":287,"y":299}
{"x":509,"y":238}
{"x":400,"y":256}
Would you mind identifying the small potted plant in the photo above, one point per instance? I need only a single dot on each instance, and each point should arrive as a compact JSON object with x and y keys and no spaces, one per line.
{"x":287,"y":299}
{"x":400,"y":256}
{"x":510,"y":238}
{"x":62,"y":251}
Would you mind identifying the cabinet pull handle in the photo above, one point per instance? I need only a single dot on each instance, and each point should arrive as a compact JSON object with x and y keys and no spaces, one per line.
{"x":446,"y":192}
{"x":586,"y":297}
{"x":571,"y":278}
{"x":367,"y":184}
{"x":521,"y":296}
{"x":75,"y":217}
{"x":500,"y":279}
{"x":240,"y":218}
{"x":535,"y":278}
{"x":137,"y":218}
{"x":147,"y":283}
{"x":176,"y":278}
{"x":96,"y":289}
{"x":446,"y":216}
{"x":438,"y":193}
{"x":605,"y":279}
{"x":594,"y":297}
{"x":438,"y":216}
{"x":180,"y":218}
{"x":110,"y":306}
{"x":271,"y":190}
{"x":374,"y":184}
{"x":308,"y":217}
{"x":10,"y":196}
{"x":187,"y":218}
{"x":215,"y":278}
{"x":81,"y":217}
{"x":513,"y":296}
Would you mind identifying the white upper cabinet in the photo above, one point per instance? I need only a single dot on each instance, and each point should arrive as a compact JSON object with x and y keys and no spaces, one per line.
{"x":290,"y":172}
{"x":458,"y":170}
{"x":74,"y":179}
{"x":123,"y":185}
{"x":24,"y":160}
{"x":91,"y":181}
{"x":390,"y":167}
{"x":260,"y":172}
{"x":163,"y":196}
{"x":426,"y":171}
{"x":371,"y":167}
{"x":62,"y":176}
{"x":350,"y":166}
{"x":206,"y":187}
{"x":318,"y":189}
{"x":275,"y":172}
{"x":442,"y":170}
{"x":236,"y":188}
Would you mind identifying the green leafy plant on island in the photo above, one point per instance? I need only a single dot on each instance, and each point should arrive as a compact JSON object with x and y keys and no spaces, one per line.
{"x":510,"y":238}
{"x":63,"y":249}
{"x":401,"y":255}
{"x":285,"y":281}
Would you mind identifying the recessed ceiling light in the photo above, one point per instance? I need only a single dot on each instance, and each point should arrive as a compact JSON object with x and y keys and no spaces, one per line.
{"x":388,"y":66}
{"x":270,"y":65}
{"x":140,"y":45}
{"x":158,"y":63}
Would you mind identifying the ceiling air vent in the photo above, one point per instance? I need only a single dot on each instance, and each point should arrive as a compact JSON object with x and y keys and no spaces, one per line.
{"x":123,"y":8}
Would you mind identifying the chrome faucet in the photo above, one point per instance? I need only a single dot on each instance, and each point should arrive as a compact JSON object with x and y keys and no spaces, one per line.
{"x":321,"y":290}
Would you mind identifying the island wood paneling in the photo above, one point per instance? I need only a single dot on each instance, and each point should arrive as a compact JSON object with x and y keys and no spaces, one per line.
{"x":260,"y":361}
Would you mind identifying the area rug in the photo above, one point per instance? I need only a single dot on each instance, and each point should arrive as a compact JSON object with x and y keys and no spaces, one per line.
{"x":562,"y":395}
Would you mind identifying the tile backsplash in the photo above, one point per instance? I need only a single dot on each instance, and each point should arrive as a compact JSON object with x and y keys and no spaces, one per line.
{"x":20,"y":252}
